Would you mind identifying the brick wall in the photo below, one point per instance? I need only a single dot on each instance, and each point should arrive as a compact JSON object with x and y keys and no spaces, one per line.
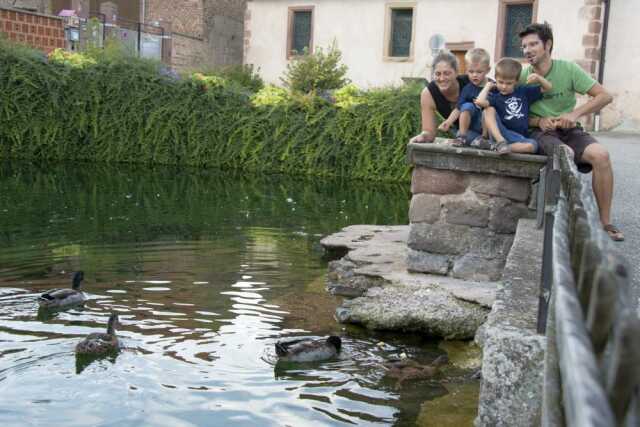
{"x":40,"y":31}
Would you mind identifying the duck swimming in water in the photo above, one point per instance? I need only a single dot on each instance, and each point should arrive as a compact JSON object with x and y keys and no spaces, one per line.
{"x":99,"y":343}
{"x":308,"y":350}
{"x":407,"y":369}
{"x":61,"y":298}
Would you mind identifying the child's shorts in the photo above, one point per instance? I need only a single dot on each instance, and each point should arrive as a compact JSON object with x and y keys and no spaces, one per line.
{"x":475,"y":127}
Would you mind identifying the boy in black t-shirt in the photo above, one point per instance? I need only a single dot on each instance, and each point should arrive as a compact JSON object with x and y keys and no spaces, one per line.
{"x":509,"y":126}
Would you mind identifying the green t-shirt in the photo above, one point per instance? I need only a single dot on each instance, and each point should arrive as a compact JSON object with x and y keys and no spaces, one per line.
{"x":567,"y":78}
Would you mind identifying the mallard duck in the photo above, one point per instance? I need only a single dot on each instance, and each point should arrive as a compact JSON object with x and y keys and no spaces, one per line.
{"x":308,"y":350}
{"x":99,"y":343}
{"x":407,"y":369}
{"x":60,"y":298}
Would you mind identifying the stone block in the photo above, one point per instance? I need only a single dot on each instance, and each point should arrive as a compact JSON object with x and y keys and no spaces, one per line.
{"x":512,"y":374}
{"x":439,"y":238}
{"x":505,"y":215}
{"x":424,"y":208}
{"x":466,"y":210}
{"x":595,"y":27}
{"x":425,"y":262}
{"x":428,"y":310}
{"x":592,"y":53}
{"x":434,"y":181}
{"x":501,"y":186}
{"x":472,"y":267}
{"x":489,"y":245}
{"x":591,"y":40}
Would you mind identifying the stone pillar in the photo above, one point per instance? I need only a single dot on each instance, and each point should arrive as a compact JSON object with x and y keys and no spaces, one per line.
{"x":81,"y":7}
{"x":465,"y":208}
{"x":110,"y":11}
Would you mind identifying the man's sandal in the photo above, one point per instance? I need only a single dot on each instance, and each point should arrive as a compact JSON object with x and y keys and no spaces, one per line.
{"x":614,"y":232}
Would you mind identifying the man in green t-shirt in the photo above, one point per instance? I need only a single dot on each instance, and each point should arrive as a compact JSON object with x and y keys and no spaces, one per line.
{"x":555,"y":117}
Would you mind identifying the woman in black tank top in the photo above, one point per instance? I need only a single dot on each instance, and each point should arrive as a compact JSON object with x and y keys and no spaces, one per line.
{"x":441,"y":95}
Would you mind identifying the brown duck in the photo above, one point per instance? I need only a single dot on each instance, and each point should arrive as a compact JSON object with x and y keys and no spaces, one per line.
{"x":407,"y":369}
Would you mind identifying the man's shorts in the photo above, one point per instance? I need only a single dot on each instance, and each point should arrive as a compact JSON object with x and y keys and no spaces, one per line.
{"x":576,"y":139}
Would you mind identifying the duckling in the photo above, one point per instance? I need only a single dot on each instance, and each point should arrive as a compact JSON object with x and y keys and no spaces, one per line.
{"x":99,"y":343}
{"x":407,"y":369}
{"x":61,"y":298}
{"x":308,"y":350}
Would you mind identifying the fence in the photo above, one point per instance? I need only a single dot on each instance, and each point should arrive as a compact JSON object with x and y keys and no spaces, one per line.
{"x":592,"y":363}
{"x":147,"y":41}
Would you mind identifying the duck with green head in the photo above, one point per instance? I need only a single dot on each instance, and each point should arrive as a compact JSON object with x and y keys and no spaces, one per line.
{"x":62,"y":298}
{"x":99,"y":343}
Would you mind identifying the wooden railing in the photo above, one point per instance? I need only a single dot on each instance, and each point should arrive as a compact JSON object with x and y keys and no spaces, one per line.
{"x":592,"y":364}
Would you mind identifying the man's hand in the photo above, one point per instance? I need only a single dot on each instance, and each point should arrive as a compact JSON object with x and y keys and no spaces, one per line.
{"x":566,"y":121}
{"x":444,"y":126}
{"x":547,"y":123}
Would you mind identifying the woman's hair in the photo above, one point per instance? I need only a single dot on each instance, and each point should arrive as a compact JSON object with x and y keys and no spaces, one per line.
{"x":445,"y":56}
{"x":508,"y":68}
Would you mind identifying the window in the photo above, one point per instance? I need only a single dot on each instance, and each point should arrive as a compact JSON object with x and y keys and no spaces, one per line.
{"x":300,"y":34}
{"x":399,"y":31}
{"x":513,"y":17}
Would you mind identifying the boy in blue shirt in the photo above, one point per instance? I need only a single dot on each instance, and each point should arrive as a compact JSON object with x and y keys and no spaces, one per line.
{"x":509,"y":125}
{"x":470,"y":121}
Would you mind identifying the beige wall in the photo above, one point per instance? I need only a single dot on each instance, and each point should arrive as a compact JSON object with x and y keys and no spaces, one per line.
{"x":358,"y":27}
{"x":621,"y":64}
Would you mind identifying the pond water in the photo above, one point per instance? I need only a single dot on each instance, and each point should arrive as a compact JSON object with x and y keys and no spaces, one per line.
{"x":206,"y":271}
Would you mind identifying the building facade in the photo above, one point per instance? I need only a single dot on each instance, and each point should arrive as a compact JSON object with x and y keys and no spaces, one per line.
{"x":384,"y":41}
{"x":200,"y":33}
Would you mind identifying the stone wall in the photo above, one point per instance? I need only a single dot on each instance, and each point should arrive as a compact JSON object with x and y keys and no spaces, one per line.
{"x":183,"y":19}
{"x":40,"y":6}
{"x":224,"y":29}
{"x":465,"y":208}
{"x":204,"y":33}
{"x":40,"y":31}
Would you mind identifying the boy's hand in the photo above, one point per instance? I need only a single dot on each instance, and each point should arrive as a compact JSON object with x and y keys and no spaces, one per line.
{"x":533,"y":78}
{"x":444,"y":126}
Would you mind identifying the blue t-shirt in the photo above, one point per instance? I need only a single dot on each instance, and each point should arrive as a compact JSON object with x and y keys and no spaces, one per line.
{"x":513,"y":109}
{"x":468,"y":94}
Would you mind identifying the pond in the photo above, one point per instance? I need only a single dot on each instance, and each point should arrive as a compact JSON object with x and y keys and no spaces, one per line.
{"x":206,"y":272}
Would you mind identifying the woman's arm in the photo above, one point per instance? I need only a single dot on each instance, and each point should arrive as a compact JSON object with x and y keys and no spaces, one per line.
{"x":427,"y":110}
{"x":449,"y":121}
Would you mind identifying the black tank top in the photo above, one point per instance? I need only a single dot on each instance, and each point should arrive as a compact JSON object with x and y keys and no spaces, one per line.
{"x":442,"y":105}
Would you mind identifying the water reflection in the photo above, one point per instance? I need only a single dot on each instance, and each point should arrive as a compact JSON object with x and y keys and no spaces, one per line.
{"x":206,"y":273}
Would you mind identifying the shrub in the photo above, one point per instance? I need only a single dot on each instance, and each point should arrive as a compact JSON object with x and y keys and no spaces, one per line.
{"x":316,"y":72}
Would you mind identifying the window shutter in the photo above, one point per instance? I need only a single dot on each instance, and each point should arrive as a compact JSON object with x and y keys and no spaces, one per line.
{"x":301,"y":31}
{"x":518,"y":16}
{"x":401,"y":23}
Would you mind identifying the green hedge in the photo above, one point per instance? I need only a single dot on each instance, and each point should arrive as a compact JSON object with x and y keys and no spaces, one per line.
{"x":128,"y":110}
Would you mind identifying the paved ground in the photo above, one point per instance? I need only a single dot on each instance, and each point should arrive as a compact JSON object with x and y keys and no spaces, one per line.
{"x":624,"y":149}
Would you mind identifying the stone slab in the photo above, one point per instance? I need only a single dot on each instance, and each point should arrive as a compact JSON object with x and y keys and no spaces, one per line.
{"x":441,"y":155}
{"x":513,"y":353}
{"x":427,"y":309}
{"x":362,"y":241}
